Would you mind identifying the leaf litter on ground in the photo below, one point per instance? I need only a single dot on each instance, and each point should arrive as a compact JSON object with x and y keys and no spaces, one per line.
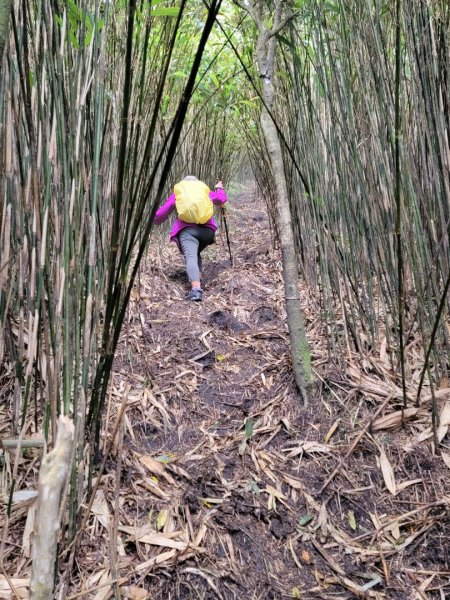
{"x":196,"y":512}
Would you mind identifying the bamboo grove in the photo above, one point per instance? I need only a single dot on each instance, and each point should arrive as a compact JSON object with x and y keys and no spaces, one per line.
{"x":363,"y":111}
{"x":91,"y":120}
{"x":368,"y":125}
{"x":104,"y":105}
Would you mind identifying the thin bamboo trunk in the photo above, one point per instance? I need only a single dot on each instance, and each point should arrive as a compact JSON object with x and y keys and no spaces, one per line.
{"x":52,"y":478}
{"x":301,"y":360}
{"x":265,"y":56}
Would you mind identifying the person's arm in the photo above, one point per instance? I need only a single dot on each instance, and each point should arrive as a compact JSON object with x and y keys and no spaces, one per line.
{"x":218,"y":196}
{"x":164,"y":211}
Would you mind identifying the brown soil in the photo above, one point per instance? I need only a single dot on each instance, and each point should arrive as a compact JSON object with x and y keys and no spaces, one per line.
{"x":222,"y":460}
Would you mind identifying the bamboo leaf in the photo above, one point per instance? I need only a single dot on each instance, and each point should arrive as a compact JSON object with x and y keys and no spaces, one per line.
{"x":446,"y":458}
{"x":166,"y":12}
{"x":332,"y":431}
{"x":388,"y":473}
{"x":249,"y":423}
{"x":162,"y":519}
{"x":352,"y":519}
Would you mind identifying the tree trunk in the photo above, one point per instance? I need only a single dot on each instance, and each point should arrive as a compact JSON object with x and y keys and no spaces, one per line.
{"x":301,"y":361}
{"x":265,"y":55}
{"x":5,"y":13}
{"x":52,"y":478}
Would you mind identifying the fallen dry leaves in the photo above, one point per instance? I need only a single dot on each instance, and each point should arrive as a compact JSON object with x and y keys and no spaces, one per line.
{"x":222,"y":469}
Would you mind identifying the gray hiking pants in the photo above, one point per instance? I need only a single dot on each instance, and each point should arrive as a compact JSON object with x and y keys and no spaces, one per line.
{"x":194,"y":240}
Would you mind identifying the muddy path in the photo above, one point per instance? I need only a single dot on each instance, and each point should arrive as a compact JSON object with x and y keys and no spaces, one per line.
{"x":222,"y":467}
{"x":214,"y":484}
{"x":220,"y":411}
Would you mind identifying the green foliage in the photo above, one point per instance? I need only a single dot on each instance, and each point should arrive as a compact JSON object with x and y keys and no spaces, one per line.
{"x":165,"y":12}
{"x":81,"y":24}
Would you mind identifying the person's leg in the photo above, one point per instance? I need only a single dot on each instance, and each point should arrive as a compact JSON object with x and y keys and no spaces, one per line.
{"x":190,"y":248}
{"x":192,"y":241}
{"x":206,"y":238}
{"x":199,"y":260}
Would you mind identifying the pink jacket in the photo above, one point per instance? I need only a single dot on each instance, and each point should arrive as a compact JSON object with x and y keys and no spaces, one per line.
{"x":217,"y":197}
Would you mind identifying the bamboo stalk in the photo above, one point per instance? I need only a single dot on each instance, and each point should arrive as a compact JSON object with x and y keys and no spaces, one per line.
{"x":13,"y":443}
{"x":53,"y":473}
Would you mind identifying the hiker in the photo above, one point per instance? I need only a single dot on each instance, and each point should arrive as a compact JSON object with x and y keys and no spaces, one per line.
{"x":195,"y":226}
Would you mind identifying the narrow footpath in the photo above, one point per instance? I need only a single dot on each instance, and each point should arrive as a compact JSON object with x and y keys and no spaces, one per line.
{"x":217,"y":494}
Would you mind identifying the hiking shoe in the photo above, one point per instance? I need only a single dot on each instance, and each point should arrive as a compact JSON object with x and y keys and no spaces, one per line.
{"x":195,"y":295}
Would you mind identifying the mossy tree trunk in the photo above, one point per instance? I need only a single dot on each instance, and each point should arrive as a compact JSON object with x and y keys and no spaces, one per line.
{"x":5,"y":14}
{"x":265,"y":56}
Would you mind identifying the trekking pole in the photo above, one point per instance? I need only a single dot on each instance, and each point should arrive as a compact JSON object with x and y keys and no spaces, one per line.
{"x":228,"y":237}
{"x":219,"y":179}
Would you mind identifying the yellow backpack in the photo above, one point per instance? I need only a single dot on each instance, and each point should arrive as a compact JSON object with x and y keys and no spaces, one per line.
{"x":192,"y":202}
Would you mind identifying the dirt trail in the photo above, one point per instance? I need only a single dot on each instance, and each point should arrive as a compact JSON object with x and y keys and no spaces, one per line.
{"x":217,"y":493}
{"x":210,"y":369}
{"x":219,"y":408}
{"x":222,"y":467}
